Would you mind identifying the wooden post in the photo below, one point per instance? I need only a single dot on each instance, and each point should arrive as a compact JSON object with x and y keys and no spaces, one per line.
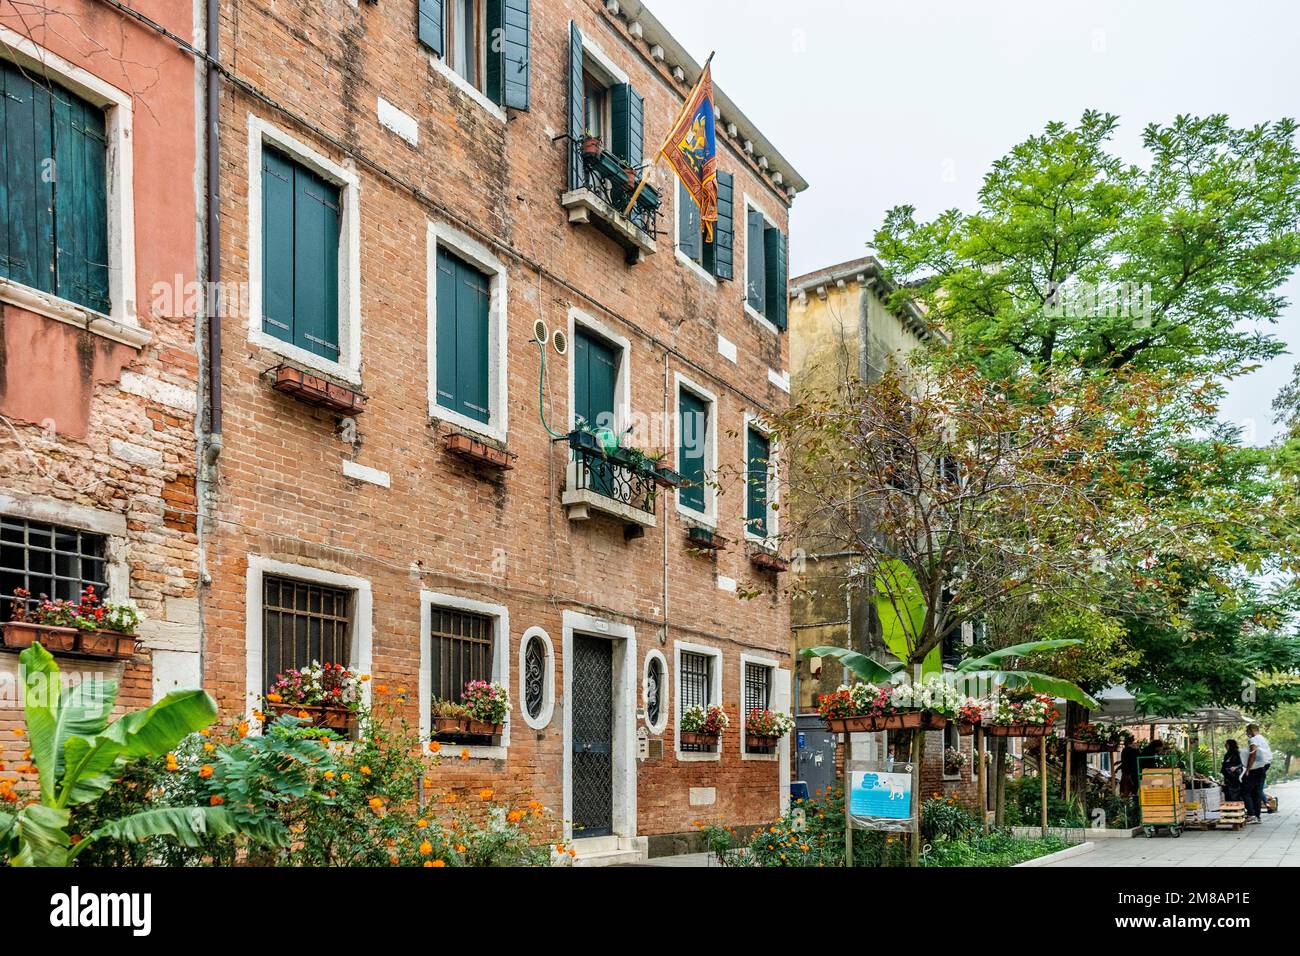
{"x":848,"y":820}
{"x":1042,"y":777}
{"x":983,"y":779}
{"x":1066,"y":767}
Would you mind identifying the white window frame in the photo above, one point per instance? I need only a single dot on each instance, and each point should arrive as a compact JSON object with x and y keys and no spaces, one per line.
{"x":709,"y":517}
{"x":665,"y":694}
{"x":362,"y":619}
{"x":500,"y":615}
{"x":773,"y":512}
{"x":442,"y":67}
{"x":681,"y":197}
{"x":478,"y":255}
{"x":543,"y":719}
{"x":348,"y":366}
{"x":715,"y":695}
{"x":622,"y":382}
{"x":121,"y":324}
{"x":773,"y":669}
{"x":752,"y":312}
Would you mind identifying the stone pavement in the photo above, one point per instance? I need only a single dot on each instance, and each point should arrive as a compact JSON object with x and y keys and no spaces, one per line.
{"x":1274,"y":842}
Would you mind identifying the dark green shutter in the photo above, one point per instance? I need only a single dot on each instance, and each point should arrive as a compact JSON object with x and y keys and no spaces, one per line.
{"x":431,"y":25}
{"x":755,"y":257}
{"x":777,"y":293}
{"x":463,"y":338}
{"x":595,"y":373}
{"x":277,"y":245}
{"x":758,"y":451}
{"x":577,"y":107}
{"x":627,"y":114}
{"x":28,"y":205}
{"x":724,"y":230}
{"x":692,"y":440}
{"x":508,"y":58}
{"x":689,"y":238}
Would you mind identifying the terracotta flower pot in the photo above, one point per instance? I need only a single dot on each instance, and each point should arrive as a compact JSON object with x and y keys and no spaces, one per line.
{"x":931,"y":721}
{"x":1092,"y":747}
{"x":482,"y":728}
{"x":23,"y":634}
{"x":690,"y":737}
{"x":591,"y":147}
{"x":110,"y":644}
{"x":450,"y":725}
{"x":967,"y":729}
{"x":333,"y":718}
{"x":759,"y":743}
{"x":910,"y":720}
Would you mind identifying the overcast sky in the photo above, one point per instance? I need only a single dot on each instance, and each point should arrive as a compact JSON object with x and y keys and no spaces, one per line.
{"x":879,"y":104}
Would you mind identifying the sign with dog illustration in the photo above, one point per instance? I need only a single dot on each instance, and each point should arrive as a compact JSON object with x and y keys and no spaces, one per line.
{"x":881,"y":796}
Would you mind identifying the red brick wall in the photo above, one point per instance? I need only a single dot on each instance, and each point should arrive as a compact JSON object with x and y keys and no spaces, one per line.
{"x":279,"y":489}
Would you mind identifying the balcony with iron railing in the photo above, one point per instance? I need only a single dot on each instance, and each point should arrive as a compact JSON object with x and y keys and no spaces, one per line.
{"x":605,"y":184}
{"x":619,"y":482}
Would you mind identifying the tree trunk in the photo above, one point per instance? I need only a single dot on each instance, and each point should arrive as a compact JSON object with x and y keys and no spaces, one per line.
{"x":1076,"y":764}
{"x":918,"y":759}
{"x":999,"y":780}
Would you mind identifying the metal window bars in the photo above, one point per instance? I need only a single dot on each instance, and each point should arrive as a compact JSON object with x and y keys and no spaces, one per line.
{"x":301,"y":623}
{"x":697,"y":688}
{"x":48,"y":559}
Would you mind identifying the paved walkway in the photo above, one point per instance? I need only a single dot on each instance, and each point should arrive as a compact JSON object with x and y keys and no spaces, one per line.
{"x":1274,"y":842}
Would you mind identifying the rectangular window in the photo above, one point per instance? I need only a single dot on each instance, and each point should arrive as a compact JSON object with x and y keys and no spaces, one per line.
{"x":300,"y":255}
{"x":54,"y":235}
{"x":484,"y":42}
{"x":758,"y":687}
{"x":460,"y":650}
{"x":48,"y":559}
{"x":596,"y":363}
{"x":301,"y":623}
{"x":463,"y":301}
{"x":758,"y":452}
{"x":465,"y":42}
{"x":693,"y":436}
{"x":696,"y":686}
{"x":595,"y":105}
{"x":715,"y":256}
{"x":766,"y":268}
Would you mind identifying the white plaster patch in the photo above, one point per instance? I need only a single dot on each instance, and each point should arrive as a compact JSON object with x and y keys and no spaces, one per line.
{"x":725,"y":583}
{"x":155,"y":390}
{"x":727,"y":348}
{"x":363,"y":473}
{"x":169,"y":636}
{"x":780,"y":379}
{"x":175,"y":670}
{"x":704,"y":796}
{"x":403,"y":124}
{"x":135,"y":454}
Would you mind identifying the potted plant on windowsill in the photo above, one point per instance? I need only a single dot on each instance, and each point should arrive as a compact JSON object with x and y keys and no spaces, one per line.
{"x":765,"y":728}
{"x":449,"y":717}
{"x":88,"y":627}
{"x":50,"y":623}
{"x":1031,"y":717}
{"x":328,"y":694}
{"x":702,"y":727}
{"x":476,"y":450}
{"x":591,"y":147}
{"x":705,"y":539}
{"x":486,"y":705}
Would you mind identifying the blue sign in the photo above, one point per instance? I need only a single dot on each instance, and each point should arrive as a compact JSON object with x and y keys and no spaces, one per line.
{"x":881,"y":795}
{"x":800,"y":739}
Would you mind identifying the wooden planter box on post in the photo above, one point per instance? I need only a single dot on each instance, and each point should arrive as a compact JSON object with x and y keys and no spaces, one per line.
{"x":23,"y":634}
{"x":869,"y":725}
{"x":967,"y":730}
{"x":1092,"y":747}
{"x":107,"y":644}
{"x":1018,"y":730}
{"x":690,"y":738}
{"x":331,"y":718}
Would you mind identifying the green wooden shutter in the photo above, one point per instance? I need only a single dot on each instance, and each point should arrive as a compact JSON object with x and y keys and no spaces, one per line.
{"x":595,"y":374}
{"x":28,"y":198}
{"x":315,"y":264}
{"x":724,"y":230}
{"x":472,"y":343}
{"x":431,"y":25}
{"x":577,"y":107}
{"x":277,"y":245}
{"x":689,"y":238}
{"x":755,"y":258}
{"x":508,"y":60}
{"x":692,"y":439}
{"x":758,"y":451}
{"x":777,"y":293}
{"x":627,"y":115}
{"x":445,"y":374}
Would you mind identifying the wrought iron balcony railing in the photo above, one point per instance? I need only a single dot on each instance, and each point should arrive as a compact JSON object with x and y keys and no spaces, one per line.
{"x":605,"y":184}
{"x":609,"y":481}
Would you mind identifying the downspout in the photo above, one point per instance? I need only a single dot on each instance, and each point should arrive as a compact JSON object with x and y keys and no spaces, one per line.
{"x":213,"y":213}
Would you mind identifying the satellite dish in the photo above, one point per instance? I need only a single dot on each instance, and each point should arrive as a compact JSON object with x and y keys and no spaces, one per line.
{"x":540,"y":332}
{"x":560,"y":341}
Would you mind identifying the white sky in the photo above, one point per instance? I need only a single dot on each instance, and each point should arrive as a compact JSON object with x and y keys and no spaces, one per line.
{"x":879,"y":104}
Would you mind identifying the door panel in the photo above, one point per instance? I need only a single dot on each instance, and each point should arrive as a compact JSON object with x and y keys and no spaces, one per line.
{"x":593,"y":737}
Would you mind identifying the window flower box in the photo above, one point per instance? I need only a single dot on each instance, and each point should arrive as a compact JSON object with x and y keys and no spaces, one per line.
{"x":872,"y":724}
{"x":450,"y":725}
{"x":765,"y":728}
{"x":481,"y":712}
{"x":1022,"y":718}
{"x":705,"y":539}
{"x":330,"y":717}
{"x":766,"y":560}
{"x":113,"y":645}
{"x":327,"y":695}
{"x":1098,"y":738}
{"x":865,"y":708}
{"x":22,"y":634}
{"x":315,"y":391}
{"x":480,"y":452}
{"x":694,"y":738}
{"x":758,"y":744}
{"x":483,"y":728}
{"x":969,"y":717}
{"x":701,"y":727}
{"x":1017,"y":730}
{"x":666,"y":477}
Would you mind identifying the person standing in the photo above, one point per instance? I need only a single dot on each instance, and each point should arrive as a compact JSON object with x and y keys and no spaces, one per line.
{"x":1233,"y":771}
{"x":1257,"y":761}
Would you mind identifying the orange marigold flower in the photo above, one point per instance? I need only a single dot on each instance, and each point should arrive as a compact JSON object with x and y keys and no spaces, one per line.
{"x":421,"y":823}
{"x":206,"y":732}
{"x":329,"y":774}
{"x":346,"y":776}
{"x":19,"y":731}
{"x":460,"y":848}
{"x":303,"y":714}
{"x":274,"y":698}
{"x":426,"y":848}
{"x":434,"y":746}
{"x":464,"y":754}
{"x":428,"y":862}
{"x":514,"y":816}
{"x":439,"y":862}
{"x":205,"y":771}
{"x":485,"y":793}
{"x":572,"y":852}
{"x":394,"y":860}
{"x":451,"y":798}
{"x":208,"y":748}
{"x":365,"y":769}
{"x":364,"y":678}
{"x":381,"y":688}
{"x":217,"y":800}
{"x":258,"y":715}
{"x":376,"y":802}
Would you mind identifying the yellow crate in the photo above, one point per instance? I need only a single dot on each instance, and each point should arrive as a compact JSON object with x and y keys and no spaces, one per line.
{"x":1154,"y":797}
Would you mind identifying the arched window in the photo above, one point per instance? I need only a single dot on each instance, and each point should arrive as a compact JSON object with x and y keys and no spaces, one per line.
{"x":654,"y":691}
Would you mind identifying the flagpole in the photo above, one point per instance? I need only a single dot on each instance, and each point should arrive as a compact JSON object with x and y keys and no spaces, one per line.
{"x":646,"y":171}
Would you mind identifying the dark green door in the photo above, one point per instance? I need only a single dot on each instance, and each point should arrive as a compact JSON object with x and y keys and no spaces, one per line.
{"x":595,"y":372}
{"x":464,"y":295}
{"x":692,"y":438}
{"x":756,"y":500}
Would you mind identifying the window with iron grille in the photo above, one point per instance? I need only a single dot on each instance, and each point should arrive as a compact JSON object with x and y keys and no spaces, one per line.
{"x":697,"y":687}
{"x":48,"y":559}
{"x":301,"y":623}
{"x":460,"y":650}
{"x":758,"y":687}
{"x":534,"y":677}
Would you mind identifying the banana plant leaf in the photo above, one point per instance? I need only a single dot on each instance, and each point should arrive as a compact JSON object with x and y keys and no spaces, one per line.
{"x":864,"y":667}
{"x":994,"y":658}
{"x":1027,"y":680}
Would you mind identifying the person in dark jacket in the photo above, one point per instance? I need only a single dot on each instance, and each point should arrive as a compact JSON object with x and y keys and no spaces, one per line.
{"x":1233,"y":772}
{"x":1128,"y":770}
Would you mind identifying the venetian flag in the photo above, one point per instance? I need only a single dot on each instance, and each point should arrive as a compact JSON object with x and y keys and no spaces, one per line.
{"x":691,"y":149}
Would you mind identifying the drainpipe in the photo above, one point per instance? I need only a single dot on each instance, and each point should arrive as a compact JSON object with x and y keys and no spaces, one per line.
{"x":213,"y":212}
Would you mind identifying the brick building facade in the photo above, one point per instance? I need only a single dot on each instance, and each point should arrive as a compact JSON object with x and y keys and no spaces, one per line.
{"x":98,"y":259}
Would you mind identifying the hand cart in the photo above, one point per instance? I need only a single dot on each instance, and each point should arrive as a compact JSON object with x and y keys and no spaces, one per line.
{"x":1160,"y":797}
